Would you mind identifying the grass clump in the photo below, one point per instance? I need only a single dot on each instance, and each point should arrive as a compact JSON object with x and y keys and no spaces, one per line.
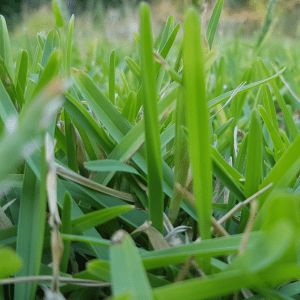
{"x":169,"y":173}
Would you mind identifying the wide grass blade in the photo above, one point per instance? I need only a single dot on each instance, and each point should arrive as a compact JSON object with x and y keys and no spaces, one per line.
{"x":127,"y":271}
{"x":154,"y":160}
{"x":10,"y":262}
{"x":31,"y":227}
{"x":99,"y":217}
{"x":198,"y":121}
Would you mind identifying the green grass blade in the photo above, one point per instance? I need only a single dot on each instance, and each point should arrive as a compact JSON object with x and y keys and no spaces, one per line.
{"x":51,"y":44}
{"x":279,"y":146}
{"x":7,"y":82}
{"x":254,"y":155}
{"x":85,"y":239}
{"x":99,"y":217}
{"x":285,"y":170}
{"x":68,"y":54}
{"x":66,"y":228}
{"x":112,"y":76}
{"x":71,"y":148}
{"x":227,"y":174}
{"x":124,"y":258}
{"x":154,"y":160}
{"x":208,"y":248}
{"x":5,"y":47}
{"x":270,"y":107}
{"x":7,"y":108}
{"x":167,"y":47}
{"x":58,"y":14}
{"x":110,"y":165}
{"x":50,"y":72}
{"x":130,"y":107}
{"x":133,"y":66}
{"x":168,"y":27}
{"x":213,"y":22}
{"x":287,"y":116}
{"x":217,"y":100}
{"x":104,"y":110}
{"x":31,"y":226}
{"x":22,"y":77}
{"x":10,"y":262}
{"x":181,"y":157}
{"x":198,"y":121}
{"x":88,"y":123}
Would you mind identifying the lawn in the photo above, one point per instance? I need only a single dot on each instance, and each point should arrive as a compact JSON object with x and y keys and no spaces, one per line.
{"x":160,"y":167}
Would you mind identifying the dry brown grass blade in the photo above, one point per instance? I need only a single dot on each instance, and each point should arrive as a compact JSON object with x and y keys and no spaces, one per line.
{"x":70,"y":175}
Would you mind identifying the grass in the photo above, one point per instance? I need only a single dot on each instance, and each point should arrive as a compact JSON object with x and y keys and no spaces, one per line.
{"x":160,"y":170}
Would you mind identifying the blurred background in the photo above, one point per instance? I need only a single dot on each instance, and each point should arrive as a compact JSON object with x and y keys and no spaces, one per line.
{"x":118,"y":19}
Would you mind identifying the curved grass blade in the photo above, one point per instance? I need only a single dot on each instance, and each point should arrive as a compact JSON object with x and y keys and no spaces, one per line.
{"x":133,"y":66}
{"x":104,"y":110}
{"x":217,"y":100}
{"x":81,"y":115}
{"x":50,"y":72}
{"x":213,"y":22}
{"x":227,"y":174}
{"x":154,"y":160}
{"x":51,"y":44}
{"x":99,"y":217}
{"x":198,"y":121}
{"x":127,"y":271}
